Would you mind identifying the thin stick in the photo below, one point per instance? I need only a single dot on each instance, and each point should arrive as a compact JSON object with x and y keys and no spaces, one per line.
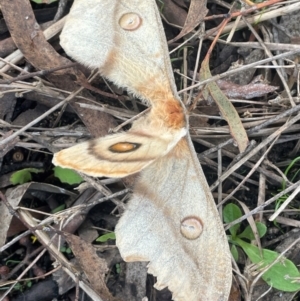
{"x":38,"y":119}
{"x":285,"y":203}
{"x":256,"y":149}
{"x":253,"y":130}
{"x":236,"y":70}
{"x":267,"y":203}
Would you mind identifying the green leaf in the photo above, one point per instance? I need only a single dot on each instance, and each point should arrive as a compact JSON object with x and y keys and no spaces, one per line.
{"x":68,"y":251}
{"x":29,"y":284}
{"x":118,"y":268}
{"x":66,"y":175}
{"x":63,"y":249}
{"x":59,"y":208}
{"x":283,"y":275}
{"x":248,"y":233}
{"x":234,"y":252}
{"x":231,"y":212}
{"x":18,"y":287}
{"x":43,"y":1}
{"x":106,"y":237}
{"x":23,"y":176}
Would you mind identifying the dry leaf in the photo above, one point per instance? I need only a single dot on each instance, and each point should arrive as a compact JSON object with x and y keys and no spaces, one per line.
{"x":196,"y":14}
{"x":173,"y":13}
{"x":226,"y":108}
{"x":249,"y":91}
{"x":93,"y":266}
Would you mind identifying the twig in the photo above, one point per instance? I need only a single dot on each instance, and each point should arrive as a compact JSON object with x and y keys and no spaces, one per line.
{"x":254,"y":129}
{"x":38,"y":73}
{"x":258,"y":148}
{"x":268,"y":52}
{"x":236,"y":70}
{"x":254,"y":168}
{"x":285,"y":203}
{"x":259,"y":17}
{"x":47,"y":242}
{"x":267,"y":203}
{"x":27,"y":126}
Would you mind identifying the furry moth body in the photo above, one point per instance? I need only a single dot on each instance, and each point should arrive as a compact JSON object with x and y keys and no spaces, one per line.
{"x":191,"y":254}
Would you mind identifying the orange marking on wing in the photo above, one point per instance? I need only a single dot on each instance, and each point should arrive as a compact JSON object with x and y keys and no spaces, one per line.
{"x":168,"y":113}
{"x":165,"y":107}
{"x":154,"y":87}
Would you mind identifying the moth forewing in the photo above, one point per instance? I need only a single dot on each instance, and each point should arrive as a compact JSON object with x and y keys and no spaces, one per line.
{"x":135,"y":59}
{"x":119,"y":155}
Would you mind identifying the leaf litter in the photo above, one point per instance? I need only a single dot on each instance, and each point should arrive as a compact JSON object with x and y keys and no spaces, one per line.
{"x":261,"y":107}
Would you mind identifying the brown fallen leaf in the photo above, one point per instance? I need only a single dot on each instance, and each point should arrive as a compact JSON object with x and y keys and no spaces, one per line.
{"x":92,"y":265}
{"x":235,"y":292}
{"x":226,"y":108}
{"x":196,"y":14}
{"x":249,"y":91}
{"x":173,"y":13}
{"x":29,"y":38}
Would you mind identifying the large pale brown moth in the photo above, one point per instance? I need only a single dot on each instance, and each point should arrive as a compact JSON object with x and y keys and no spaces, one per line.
{"x":171,"y":220}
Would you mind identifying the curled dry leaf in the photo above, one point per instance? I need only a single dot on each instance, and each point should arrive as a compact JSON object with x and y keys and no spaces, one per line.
{"x":92,"y":265}
{"x":249,"y":91}
{"x":197,"y":12}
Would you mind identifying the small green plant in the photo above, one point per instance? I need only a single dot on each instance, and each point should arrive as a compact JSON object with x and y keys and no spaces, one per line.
{"x":23,"y":176}
{"x":43,"y":1}
{"x":281,"y":200}
{"x":118,"y":268}
{"x":66,"y":175}
{"x":19,"y":287}
{"x":283,"y":275}
{"x":10,"y":261}
{"x":66,"y":250}
{"x":59,"y":208}
{"x":106,"y":237}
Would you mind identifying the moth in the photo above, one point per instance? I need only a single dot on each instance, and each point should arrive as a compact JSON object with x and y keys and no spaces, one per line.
{"x":171,"y":220}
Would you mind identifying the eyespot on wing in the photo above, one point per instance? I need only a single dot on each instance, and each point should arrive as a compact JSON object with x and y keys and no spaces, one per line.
{"x":130,"y":21}
{"x":124,"y":147}
{"x":191,"y":227}
{"x":115,"y":155}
